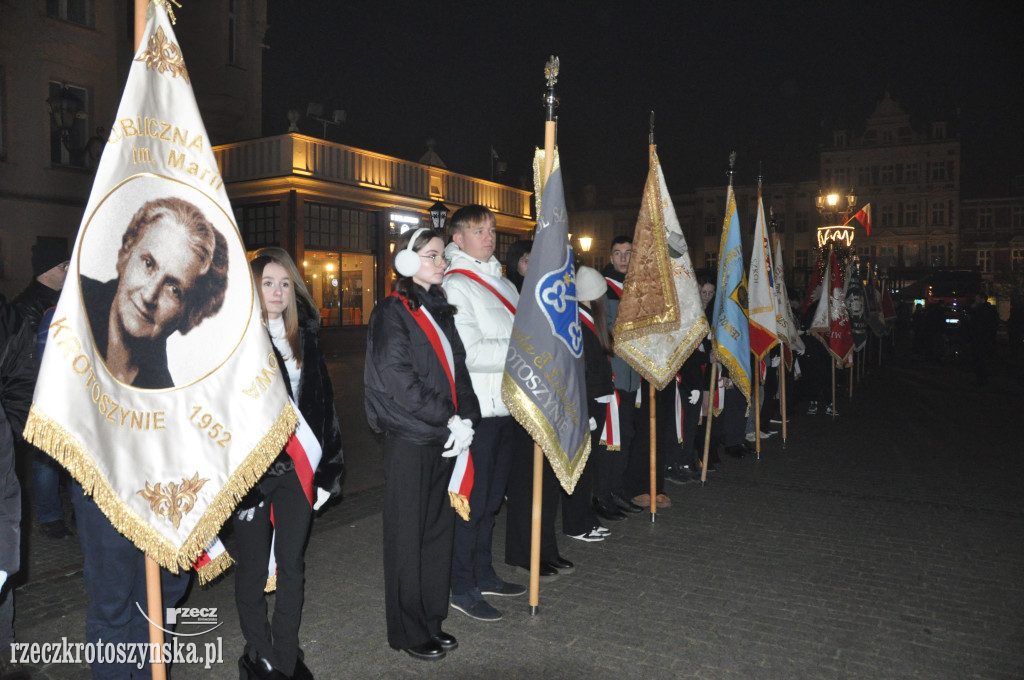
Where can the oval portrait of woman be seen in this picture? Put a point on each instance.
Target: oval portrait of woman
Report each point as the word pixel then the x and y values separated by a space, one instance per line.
pixel 164 283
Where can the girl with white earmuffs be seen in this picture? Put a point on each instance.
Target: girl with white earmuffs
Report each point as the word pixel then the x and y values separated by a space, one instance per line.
pixel 419 396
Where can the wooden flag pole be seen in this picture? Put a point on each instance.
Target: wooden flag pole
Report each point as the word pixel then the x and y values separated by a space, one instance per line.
pixel 757 408
pixel 550 104
pixel 652 404
pixel 782 394
pixel 154 596
pixel 538 471
pixel 707 430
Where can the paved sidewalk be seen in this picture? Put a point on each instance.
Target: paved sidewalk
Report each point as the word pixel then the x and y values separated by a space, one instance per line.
pixel 886 544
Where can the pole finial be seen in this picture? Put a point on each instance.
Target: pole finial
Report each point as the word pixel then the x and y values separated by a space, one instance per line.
pixel 732 166
pixel 650 134
pixel 551 76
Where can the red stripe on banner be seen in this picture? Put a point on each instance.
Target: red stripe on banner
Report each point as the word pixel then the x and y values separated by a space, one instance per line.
pixel 760 340
pixel 479 279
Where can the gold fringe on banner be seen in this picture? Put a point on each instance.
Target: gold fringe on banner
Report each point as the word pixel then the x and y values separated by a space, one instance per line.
pixel 51 437
pixel 532 418
pixel 214 568
pixel 460 503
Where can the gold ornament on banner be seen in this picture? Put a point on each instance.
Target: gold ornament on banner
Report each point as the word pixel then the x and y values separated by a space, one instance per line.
pixel 174 501
pixel 164 56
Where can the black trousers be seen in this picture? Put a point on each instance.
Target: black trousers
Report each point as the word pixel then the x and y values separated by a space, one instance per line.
pixel 519 506
pixel 638 470
pixel 610 471
pixel 578 516
pixel 276 641
pixel 419 524
pixel 492 449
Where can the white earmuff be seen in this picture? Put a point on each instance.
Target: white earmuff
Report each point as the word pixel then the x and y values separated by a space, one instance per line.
pixel 407 261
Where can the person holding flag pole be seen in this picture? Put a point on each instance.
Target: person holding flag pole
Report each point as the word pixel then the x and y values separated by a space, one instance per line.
pixel 730 332
pixel 545 355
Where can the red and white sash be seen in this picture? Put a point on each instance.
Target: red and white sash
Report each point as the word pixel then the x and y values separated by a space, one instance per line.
pixel 461 483
pixel 611 436
pixel 614 285
pixel 494 285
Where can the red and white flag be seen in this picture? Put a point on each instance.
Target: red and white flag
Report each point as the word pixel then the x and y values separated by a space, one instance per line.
pixel 864 217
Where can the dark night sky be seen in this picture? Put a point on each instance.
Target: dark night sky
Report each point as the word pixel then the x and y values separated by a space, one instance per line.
pixel 767 79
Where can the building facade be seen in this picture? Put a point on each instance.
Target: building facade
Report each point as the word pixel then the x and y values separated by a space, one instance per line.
pixel 73 57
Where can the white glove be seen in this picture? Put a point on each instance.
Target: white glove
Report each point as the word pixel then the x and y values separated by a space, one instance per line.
pixel 775 362
pixel 461 436
pixel 593 424
pixel 247 515
pixel 322 496
pixel 3 579
pixel 694 396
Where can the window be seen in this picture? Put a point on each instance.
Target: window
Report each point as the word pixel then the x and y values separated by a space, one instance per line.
pixel 839 138
pixel 984 218
pixel 260 225
pixel 711 224
pixel 864 175
pixel 937 256
pixel 840 177
pixel 938 171
pixel 711 261
pixel 69 150
pixel 503 243
pixel 803 222
pixel 911 173
pixel 73 11
pixel 887 136
pixel 1017 259
pixel 984 261
pixel 938 213
pixel 1018 211
pixel 801 258
pixel 911 214
pixel 938 130
pixel 888 173
pixel 780 223
pixel 322 225
pixel 886 215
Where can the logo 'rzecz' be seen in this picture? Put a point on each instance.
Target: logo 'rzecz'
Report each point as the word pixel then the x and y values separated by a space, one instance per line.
pixel 556 297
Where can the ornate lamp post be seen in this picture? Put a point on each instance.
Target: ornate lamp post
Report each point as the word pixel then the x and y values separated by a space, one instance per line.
pixel 833 217
pixel 439 215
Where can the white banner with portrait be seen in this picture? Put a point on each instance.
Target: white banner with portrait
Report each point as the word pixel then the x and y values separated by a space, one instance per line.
pixel 159 390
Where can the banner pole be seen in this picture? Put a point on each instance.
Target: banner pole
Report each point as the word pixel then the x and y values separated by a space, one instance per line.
pixel 757 408
pixel 154 605
pixel 782 395
pixel 538 471
pixel 652 404
pixel 707 430
pixel 140 21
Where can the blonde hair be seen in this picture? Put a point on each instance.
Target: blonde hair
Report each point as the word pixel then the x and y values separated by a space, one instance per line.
pixel 280 256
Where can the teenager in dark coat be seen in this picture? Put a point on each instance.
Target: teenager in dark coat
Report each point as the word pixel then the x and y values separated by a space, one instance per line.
pixel 272 648
pixel 420 397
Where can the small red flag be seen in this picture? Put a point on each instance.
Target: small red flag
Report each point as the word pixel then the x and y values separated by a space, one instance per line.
pixel 864 217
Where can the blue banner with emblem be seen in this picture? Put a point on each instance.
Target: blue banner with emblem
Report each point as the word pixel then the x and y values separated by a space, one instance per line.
pixel 543 385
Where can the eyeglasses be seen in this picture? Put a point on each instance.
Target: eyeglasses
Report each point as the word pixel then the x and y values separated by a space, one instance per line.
pixel 438 259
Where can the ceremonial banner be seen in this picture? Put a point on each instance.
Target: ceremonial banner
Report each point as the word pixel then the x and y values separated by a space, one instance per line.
pixel 159 390
pixel 831 323
pixel 873 305
pixel 856 308
pixel 784 321
pixel 730 337
pixel 661 319
pixel 543 385
pixel 762 310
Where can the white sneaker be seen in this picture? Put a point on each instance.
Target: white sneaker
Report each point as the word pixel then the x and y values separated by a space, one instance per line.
pixel 590 537
pixel 750 437
pixel 765 435
pixel 602 530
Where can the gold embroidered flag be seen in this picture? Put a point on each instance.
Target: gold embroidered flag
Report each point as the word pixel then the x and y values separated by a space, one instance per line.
pixel 661 318
pixel 159 390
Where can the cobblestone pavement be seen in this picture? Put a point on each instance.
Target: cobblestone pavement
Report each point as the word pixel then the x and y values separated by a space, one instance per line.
pixel 888 544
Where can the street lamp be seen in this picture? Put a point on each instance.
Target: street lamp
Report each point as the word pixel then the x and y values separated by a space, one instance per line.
pixel 834 228
pixel 439 215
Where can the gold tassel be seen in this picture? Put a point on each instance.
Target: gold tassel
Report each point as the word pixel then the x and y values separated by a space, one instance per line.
pixel 460 503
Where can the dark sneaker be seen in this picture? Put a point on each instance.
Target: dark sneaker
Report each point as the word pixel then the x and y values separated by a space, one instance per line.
pixel 473 605
pixel 503 589
pixel 680 475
